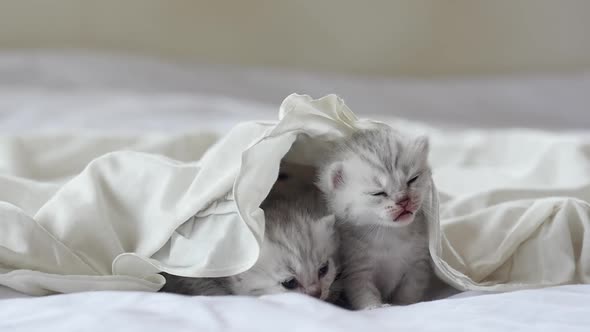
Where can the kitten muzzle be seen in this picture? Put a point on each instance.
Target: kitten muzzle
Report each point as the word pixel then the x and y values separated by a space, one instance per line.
pixel 407 208
pixel 403 216
pixel 314 292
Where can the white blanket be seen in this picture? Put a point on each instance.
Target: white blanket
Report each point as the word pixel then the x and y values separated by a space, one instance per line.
pixel 118 222
pixel 129 215
pixel 514 208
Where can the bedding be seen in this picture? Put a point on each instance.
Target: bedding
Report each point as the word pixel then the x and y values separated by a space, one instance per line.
pixel 43 97
pixel 129 214
pixel 563 308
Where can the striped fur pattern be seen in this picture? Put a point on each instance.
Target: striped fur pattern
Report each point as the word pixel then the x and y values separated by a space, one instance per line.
pixel 375 182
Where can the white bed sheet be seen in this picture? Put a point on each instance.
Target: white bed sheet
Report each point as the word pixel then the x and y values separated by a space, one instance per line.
pixel 561 309
pixel 41 92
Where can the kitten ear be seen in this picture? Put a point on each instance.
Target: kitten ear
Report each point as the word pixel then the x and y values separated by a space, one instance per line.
pixel 337 175
pixel 422 144
pixel 332 177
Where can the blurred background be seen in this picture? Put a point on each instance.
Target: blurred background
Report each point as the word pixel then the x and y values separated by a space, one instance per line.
pixel 522 62
pixel 377 37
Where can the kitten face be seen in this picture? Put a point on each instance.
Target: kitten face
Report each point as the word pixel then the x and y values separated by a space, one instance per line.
pixel 377 177
pixel 297 256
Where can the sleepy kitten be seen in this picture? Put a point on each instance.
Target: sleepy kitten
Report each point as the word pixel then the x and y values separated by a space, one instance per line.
pixel 297 255
pixel 375 182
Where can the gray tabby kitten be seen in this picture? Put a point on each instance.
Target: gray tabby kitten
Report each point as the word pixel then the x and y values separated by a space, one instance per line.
pixel 375 182
pixel 298 254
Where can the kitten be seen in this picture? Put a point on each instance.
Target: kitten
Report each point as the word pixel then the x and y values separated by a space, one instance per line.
pixel 298 254
pixel 375 182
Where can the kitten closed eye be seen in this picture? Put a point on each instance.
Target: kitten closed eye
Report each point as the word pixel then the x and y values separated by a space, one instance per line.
pixel 380 193
pixel 412 180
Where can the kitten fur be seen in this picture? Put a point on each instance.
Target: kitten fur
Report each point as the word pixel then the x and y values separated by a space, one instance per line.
pixel 300 239
pixel 375 182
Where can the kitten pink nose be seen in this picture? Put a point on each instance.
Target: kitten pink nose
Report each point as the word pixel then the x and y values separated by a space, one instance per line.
pixel 403 202
pixel 314 291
